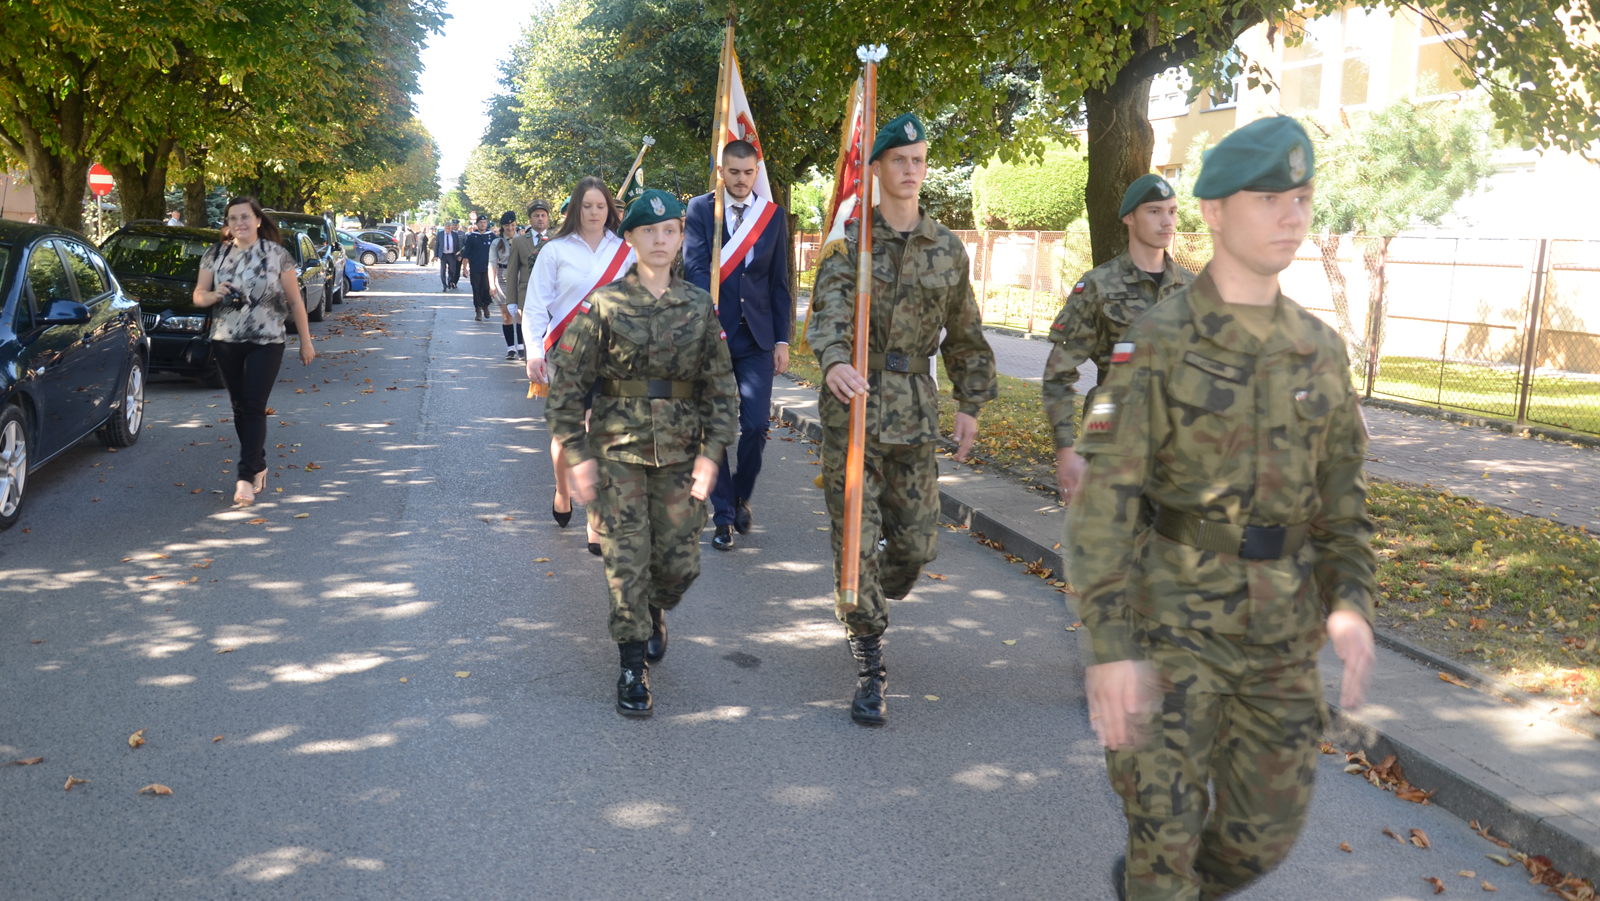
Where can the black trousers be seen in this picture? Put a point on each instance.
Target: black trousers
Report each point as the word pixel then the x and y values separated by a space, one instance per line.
pixel 481 298
pixel 248 370
pixel 449 269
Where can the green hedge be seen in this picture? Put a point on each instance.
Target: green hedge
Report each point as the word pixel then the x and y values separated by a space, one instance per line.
pixel 1047 195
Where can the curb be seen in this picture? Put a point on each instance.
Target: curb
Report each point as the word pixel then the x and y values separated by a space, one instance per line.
pixel 1530 823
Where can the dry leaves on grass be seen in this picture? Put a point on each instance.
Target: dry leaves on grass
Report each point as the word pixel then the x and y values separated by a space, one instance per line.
pixel 23 761
pixel 74 780
pixel 154 788
pixel 136 739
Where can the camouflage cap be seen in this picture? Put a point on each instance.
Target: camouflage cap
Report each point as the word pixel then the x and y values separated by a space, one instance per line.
pixel 1150 188
pixel 1271 154
pixel 654 205
pixel 903 129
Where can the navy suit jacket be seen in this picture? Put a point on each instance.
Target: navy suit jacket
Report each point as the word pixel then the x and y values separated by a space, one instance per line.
pixel 758 292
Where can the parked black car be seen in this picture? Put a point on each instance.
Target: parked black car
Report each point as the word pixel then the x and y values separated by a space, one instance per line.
pixel 73 354
pixel 158 266
pixel 324 238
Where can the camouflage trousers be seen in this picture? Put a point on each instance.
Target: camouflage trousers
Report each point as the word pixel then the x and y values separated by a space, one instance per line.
pixel 1245 719
pixel 900 502
pixel 650 539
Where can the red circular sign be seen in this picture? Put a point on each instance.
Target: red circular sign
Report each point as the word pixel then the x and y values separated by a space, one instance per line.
pixel 100 181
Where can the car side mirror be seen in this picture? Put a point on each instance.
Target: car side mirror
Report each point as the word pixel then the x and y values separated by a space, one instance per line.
pixel 66 312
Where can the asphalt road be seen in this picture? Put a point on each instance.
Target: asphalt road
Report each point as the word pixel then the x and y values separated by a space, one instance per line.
pixel 394 698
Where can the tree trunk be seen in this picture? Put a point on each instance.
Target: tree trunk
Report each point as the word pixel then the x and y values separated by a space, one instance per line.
pixel 1121 143
pixel 142 183
pixel 195 214
pixel 1329 245
pixel 59 185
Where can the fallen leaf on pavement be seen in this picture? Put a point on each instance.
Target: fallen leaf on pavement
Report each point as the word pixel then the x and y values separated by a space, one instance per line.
pixel 1345 847
pixel 302 516
pixel 153 578
pixel 225 651
pixel 136 739
pixel 217 739
pixel 256 522
pixel 196 491
pixel 203 564
pixel 930 697
pixel 312 466
pixel 937 577
pixel 1467 874
pixel 1484 831
pixel 1420 839
pixel 24 761
pixel 1438 887
pixel 177 484
pixel 462 674
pixel 37 641
pixel 1414 795
pixel 1489 888
pixel 541 559
pixel 74 780
pixel 1394 835
pixel 1500 859
pixel 154 788
pixel 1447 677
pixel 1328 749
pixel 404 679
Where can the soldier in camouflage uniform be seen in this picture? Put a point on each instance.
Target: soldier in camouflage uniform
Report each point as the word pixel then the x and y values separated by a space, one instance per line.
pixel 1218 537
pixel 668 406
pixel 1104 302
pixel 920 287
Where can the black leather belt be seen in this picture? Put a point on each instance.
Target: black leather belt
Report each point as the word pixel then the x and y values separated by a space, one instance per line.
pixel 1247 542
pixel 898 363
pixel 658 389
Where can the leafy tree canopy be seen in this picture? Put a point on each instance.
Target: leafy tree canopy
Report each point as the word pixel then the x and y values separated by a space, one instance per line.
pixel 1042 194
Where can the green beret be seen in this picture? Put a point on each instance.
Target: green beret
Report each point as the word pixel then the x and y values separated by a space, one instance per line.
pixel 564 204
pixel 1271 154
pixel 1150 188
pixel 903 129
pixel 654 205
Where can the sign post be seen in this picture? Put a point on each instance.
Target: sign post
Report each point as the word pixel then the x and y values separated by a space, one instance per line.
pixel 100 184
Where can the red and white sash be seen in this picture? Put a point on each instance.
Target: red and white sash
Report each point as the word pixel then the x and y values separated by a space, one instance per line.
pixel 739 243
pixel 606 271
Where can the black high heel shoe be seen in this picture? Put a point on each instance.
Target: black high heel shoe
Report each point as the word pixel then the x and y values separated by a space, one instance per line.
pixel 561 518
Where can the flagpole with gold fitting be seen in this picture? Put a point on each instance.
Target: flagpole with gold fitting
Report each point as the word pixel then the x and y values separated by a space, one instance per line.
pixel 856 455
pixel 648 143
pixel 718 142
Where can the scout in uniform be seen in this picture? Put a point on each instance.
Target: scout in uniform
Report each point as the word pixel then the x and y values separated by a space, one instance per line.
pixel 1219 535
pixel 667 409
pixel 920 287
pixel 1103 304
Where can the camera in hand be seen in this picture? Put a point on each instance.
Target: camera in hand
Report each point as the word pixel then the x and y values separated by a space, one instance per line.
pixel 234 299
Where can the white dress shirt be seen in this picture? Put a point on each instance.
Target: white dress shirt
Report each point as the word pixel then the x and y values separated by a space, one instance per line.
pixel 561 262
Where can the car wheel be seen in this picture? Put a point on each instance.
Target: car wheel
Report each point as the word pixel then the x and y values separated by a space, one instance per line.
pixel 390 256
pixel 335 292
pixel 347 288
pixel 127 418
pixel 316 314
pixel 13 464
pixel 369 259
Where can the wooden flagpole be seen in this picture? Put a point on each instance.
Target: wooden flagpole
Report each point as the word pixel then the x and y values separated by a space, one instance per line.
pixel 856 455
pixel 649 142
pixel 719 141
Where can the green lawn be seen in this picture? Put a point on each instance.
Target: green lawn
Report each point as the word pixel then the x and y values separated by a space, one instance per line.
pixel 1561 402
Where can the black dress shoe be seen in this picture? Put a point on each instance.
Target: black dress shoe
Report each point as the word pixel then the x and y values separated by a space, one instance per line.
pixel 561 518
pixel 723 539
pixel 741 515
pixel 594 548
pixel 656 647
pixel 868 708
pixel 1119 877
pixel 633 686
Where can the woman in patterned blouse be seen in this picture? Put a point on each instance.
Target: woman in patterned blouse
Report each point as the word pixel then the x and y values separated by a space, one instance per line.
pixel 251 280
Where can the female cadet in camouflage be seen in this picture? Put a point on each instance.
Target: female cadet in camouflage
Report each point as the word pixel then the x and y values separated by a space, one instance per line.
pixel 1219 535
pixel 920 287
pixel 1103 304
pixel 668 406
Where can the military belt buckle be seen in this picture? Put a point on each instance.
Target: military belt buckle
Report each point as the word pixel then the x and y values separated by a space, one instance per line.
pixel 1262 542
pixel 896 362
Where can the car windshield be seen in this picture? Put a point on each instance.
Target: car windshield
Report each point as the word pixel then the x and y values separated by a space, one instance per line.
pixel 151 255
pixel 314 230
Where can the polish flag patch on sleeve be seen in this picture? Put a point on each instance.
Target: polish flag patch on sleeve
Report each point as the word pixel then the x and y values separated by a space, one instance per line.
pixel 584 307
pixel 1078 288
pixel 1122 352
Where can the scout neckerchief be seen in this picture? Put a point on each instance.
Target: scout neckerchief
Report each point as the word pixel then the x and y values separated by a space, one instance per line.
pixel 607 268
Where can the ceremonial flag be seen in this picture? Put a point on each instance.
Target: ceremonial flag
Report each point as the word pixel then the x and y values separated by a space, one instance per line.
pixel 741 122
pixel 842 207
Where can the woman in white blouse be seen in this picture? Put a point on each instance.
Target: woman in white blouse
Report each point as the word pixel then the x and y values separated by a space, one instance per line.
pixel 585 254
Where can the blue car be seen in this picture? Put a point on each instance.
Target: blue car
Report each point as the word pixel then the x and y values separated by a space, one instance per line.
pixel 73 354
pixel 355 276
pixel 365 251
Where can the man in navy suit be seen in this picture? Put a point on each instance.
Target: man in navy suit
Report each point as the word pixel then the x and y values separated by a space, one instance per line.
pixel 756 310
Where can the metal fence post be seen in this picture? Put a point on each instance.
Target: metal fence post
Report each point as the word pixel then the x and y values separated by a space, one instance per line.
pixel 1033 281
pixel 1530 335
pixel 985 254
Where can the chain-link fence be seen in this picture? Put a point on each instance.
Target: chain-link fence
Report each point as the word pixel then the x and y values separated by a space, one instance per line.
pixel 1439 321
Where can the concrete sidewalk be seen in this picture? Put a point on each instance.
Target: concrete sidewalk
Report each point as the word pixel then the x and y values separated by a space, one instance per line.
pixel 1535 477
pixel 1535 782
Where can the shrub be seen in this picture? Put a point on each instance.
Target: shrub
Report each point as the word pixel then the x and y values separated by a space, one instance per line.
pixel 1046 195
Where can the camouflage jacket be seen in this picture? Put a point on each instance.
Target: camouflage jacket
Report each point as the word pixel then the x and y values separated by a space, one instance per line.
pixel 920 288
pixel 622 332
pixel 1206 419
pixel 1099 310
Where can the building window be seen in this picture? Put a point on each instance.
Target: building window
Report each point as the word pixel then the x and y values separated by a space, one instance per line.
pixel 1169 94
pixel 1331 66
pixel 1173 174
pixel 1440 45
pixel 1226 95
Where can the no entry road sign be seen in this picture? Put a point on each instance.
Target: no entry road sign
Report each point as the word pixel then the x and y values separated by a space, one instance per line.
pixel 100 181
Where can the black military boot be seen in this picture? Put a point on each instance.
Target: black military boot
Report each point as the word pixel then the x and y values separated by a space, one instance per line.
pixel 633 686
pixel 1119 877
pixel 868 707
pixel 656 647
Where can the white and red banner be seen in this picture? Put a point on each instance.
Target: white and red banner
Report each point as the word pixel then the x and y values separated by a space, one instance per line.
pixel 742 242
pixel 847 173
pixel 742 122
pixel 608 268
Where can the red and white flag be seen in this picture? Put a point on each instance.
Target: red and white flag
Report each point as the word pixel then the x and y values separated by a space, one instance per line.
pixel 742 122
pixel 847 173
